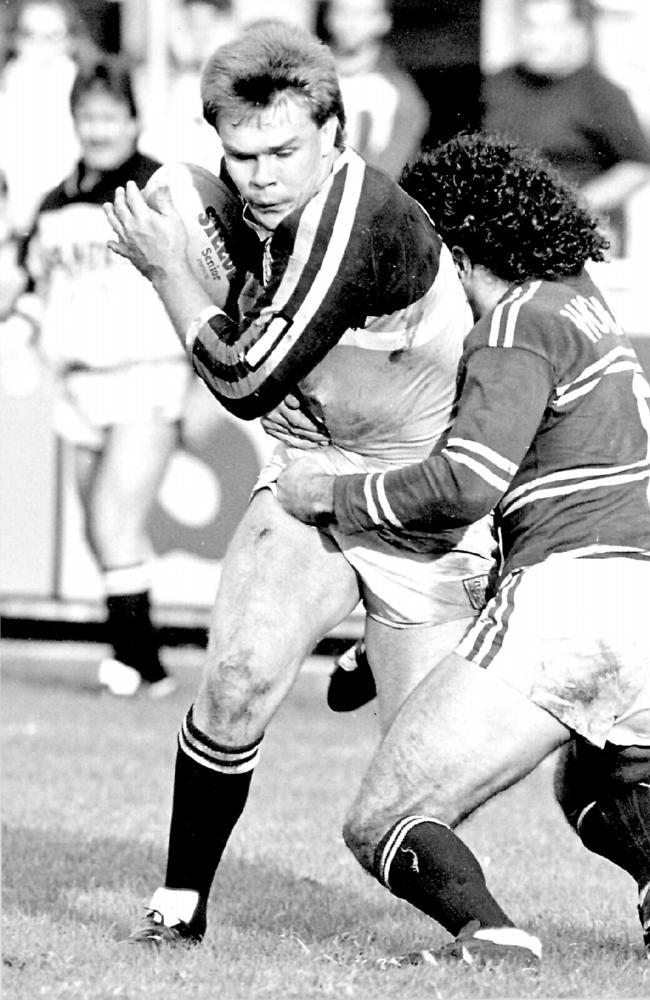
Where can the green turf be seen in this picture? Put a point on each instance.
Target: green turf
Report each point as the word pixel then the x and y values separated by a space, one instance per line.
pixel 86 793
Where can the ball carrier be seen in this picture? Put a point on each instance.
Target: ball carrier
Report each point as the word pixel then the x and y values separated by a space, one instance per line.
pixel 347 297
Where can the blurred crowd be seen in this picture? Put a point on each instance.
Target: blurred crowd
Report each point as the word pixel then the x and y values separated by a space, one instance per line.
pixel 77 120
pixel 553 96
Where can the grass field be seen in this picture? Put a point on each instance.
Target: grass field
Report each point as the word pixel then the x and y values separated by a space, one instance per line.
pixel 86 794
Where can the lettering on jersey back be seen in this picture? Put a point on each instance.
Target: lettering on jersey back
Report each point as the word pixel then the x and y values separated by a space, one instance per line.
pixel 591 317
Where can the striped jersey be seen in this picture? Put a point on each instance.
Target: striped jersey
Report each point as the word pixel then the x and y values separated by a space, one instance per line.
pixel 552 430
pixel 99 311
pixel 358 308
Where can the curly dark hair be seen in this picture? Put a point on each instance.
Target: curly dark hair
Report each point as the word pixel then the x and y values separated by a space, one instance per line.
pixel 505 207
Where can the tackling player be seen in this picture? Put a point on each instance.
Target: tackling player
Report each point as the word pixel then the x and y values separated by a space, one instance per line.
pixel 353 303
pixel 552 430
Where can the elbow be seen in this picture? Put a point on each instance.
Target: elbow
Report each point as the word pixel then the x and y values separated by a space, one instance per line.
pixel 476 506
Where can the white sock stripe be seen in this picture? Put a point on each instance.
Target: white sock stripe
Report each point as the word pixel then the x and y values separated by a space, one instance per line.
pixel 128 579
pixel 226 761
pixel 212 765
pixel 394 841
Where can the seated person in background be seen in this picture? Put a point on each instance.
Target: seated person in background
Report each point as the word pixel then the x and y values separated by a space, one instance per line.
pixel 387 116
pixel 552 431
pixel 555 100
pixel 121 376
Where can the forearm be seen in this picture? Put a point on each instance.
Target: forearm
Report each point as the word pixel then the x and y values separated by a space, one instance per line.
pixel 615 186
pixel 431 496
pixel 187 303
pixel 494 426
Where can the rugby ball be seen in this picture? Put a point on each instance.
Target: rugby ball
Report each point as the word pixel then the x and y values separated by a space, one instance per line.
pixel 212 216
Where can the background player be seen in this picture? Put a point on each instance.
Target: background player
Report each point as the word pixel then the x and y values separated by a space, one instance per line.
pixel 121 377
pixel 387 116
pixel 553 429
pixel 354 303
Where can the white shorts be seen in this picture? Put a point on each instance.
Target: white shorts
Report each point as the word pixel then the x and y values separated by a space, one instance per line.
pixel 401 588
pixel 573 635
pixel 88 401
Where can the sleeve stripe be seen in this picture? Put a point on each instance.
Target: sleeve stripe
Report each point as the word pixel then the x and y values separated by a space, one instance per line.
pixel 259 351
pixel 237 363
pixel 480 470
pixel 371 506
pixel 480 449
pixel 566 475
pixel 598 366
pixel 605 482
pixel 386 508
pixel 199 321
pixel 575 390
pixel 570 481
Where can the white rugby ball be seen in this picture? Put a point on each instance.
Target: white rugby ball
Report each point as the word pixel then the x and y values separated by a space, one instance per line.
pixel 212 217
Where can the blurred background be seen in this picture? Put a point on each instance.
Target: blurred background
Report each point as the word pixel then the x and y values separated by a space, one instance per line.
pixel 413 73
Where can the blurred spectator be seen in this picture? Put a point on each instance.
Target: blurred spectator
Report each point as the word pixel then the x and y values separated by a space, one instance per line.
pixel 121 377
pixel 47 40
pixel 11 274
pixel 387 116
pixel 4 35
pixel 19 369
pixel 555 99
pixel 197 27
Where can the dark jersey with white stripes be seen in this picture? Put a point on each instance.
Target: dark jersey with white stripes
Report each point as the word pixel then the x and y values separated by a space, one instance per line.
pixel 360 260
pixel 552 429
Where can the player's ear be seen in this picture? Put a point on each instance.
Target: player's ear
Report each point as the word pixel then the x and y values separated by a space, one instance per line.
pixel 462 262
pixel 328 135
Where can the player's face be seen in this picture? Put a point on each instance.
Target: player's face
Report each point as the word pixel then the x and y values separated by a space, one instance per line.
pixel 278 157
pixel 106 131
pixel 42 32
pixel 549 36
pixel 354 24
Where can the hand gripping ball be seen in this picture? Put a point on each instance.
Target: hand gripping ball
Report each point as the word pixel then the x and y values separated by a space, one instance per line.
pixel 212 215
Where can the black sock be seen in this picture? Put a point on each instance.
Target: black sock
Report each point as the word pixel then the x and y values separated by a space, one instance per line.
pixel 617 827
pixel 210 790
pixel 424 862
pixel 132 634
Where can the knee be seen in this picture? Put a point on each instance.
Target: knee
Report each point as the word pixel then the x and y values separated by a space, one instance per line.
pixel 362 833
pixel 234 688
pixel 358 841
